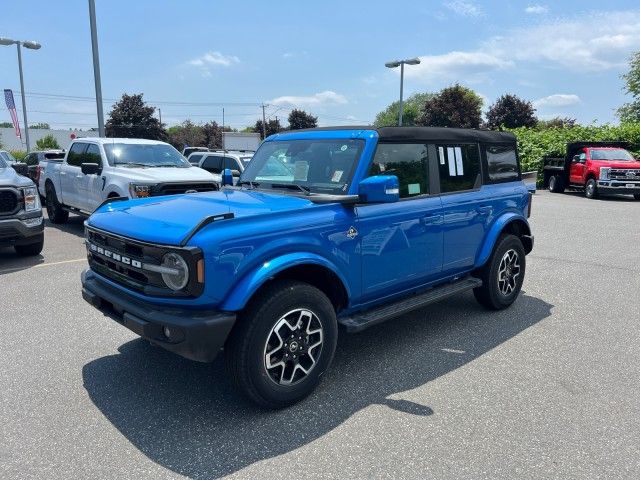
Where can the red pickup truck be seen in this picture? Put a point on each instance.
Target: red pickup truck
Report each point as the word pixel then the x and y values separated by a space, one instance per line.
pixel 595 168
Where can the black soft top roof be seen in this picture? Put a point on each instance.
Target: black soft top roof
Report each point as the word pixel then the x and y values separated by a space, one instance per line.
pixel 427 134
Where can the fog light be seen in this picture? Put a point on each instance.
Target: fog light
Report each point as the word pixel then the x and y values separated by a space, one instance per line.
pixel 167 332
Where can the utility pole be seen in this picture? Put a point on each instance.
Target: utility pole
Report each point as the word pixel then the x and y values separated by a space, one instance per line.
pixel 24 103
pixel 264 123
pixel 96 66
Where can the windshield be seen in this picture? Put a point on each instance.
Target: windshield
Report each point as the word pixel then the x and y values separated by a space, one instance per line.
pixel 320 166
pixel 144 155
pixel 611 154
pixel 7 157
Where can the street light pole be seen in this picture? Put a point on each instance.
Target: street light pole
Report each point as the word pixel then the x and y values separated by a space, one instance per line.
pixel 33 46
pixel 96 66
pixel 401 64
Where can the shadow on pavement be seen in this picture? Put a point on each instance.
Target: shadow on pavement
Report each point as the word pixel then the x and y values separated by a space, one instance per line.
pixel 11 262
pixel 74 226
pixel 185 416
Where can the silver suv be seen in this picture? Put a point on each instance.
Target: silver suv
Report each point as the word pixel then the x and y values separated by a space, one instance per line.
pixel 215 162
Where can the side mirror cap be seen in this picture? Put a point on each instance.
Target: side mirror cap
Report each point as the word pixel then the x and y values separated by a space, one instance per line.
pixel 90 168
pixel 379 189
pixel 21 168
pixel 227 177
pixel 235 173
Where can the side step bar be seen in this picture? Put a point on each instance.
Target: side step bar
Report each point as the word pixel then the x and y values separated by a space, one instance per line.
pixel 363 320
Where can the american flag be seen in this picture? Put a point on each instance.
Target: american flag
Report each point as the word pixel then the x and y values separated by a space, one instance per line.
pixel 11 105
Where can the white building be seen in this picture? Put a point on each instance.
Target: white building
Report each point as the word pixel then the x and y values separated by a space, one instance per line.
pixel 10 142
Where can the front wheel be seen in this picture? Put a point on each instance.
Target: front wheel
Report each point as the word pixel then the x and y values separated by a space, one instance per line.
pixel 636 196
pixel 591 189
pixel 31 249
pixel 282 344
pixel 503 275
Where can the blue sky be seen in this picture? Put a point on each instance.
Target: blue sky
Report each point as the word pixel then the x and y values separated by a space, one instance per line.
pixel 325 57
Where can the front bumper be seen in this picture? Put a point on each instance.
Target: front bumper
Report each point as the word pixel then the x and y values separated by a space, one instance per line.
pixel 13 231
pixel 618 186
pixel 194 334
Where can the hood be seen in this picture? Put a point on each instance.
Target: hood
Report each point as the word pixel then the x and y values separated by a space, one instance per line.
pixel 165 174
pixel 169 219
pixel 9 178
pixel 615 164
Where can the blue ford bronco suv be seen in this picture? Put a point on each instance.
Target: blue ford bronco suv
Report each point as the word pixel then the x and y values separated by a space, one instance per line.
pixel 327 229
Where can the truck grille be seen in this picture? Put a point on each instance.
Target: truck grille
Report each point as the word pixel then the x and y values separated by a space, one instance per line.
pixel 9 202
pixel 176 188
pixel 629 174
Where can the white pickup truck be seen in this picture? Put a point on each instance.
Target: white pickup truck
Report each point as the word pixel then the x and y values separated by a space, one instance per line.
pixel 95 169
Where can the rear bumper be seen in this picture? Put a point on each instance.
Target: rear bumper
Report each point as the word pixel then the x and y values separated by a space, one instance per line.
pixel 14 231
pixel 194 334
pixel 618 186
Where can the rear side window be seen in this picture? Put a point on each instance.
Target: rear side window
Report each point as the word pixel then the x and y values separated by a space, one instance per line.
pixel 231 164
pixel 459 167
pixel 407 161
pixel 93 154
pixel 76 154
pixel 194 158
pixel 502 163
pixel 212 164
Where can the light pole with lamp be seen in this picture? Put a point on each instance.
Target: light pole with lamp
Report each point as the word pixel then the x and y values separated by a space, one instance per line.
pixel 401 64
pixel 33 46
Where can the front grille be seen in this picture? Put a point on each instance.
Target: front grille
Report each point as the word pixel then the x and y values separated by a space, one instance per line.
pixel 630 174
pixel 9 202
pixel 122 260
pixel 176 188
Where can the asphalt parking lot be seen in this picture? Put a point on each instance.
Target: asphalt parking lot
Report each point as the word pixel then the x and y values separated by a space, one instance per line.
pixel 549 388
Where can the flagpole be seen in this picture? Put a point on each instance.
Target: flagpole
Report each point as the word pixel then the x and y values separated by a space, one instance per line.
pixel 24 103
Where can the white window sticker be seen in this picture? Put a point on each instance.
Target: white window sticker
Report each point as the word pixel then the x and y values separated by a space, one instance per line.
pixel 414 188
pixel 441 155
pixel 451 161
pixel 459 166
pixel 337 175
pixel 301 171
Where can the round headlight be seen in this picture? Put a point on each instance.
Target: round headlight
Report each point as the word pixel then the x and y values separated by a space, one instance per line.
pixel 179 277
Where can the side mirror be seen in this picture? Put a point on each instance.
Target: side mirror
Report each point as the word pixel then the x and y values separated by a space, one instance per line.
pixel 576 159
pixel 379 189
pixel 227 177
pixel 21 168
pixel 90 168
pixel 235 173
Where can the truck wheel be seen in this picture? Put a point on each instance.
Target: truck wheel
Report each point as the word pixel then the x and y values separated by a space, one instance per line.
pixel 636 196
pixel 30 249
pixel 555 184
pixel 503 274
pixel 282 344
pixel 591 188
pixel 54 210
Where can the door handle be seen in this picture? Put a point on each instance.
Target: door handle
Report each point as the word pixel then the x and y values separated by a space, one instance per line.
pixel 484 210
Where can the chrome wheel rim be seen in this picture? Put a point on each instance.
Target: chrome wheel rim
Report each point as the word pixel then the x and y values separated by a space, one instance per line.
pixel 590 188
pixel 293 347
pixel 508 272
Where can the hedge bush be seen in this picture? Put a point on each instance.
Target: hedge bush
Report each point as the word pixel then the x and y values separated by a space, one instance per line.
pixel 18 154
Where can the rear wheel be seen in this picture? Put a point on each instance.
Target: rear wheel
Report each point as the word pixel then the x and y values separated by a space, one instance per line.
pixel 282 344
pixel 555 184
pixel 503 275
pixel 591 188
pixel 54 210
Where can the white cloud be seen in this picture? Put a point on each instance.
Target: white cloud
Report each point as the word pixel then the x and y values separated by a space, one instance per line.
pixel 287 55
pixel 317 99
pixel 557 100
pixel 537 9
pixel 214 59
pixel 589 42
pixel 464 8
pixel 468 66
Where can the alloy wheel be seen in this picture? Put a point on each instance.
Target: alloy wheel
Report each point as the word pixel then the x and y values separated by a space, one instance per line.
pixel 508 272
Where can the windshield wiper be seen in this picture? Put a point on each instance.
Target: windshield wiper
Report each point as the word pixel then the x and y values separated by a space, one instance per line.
pixel 292 186
pixel 251 183
pixel 132 164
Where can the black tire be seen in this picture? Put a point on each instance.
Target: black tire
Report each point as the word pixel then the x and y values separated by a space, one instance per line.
pixel 251 339
pixel 54 210
pixel 591 189
pixel 492 294
pixel 31 249
pixel 555 184
pixel 636 196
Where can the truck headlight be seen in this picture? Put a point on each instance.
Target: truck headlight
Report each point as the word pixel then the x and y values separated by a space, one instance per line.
pixel 175 271
pixel 31 199
pixel 139 190
pixel 604 173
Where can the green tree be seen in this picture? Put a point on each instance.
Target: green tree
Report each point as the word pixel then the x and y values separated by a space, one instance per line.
pixel 511 112
pixel 299 119
pixel 6 125
pixel 455 106
pixel 48 142
pixel 557 122
pixel 411 108
pixel 40 126
pixel 272 126
pixel 187 133
pixel 630 112
pixel 131 117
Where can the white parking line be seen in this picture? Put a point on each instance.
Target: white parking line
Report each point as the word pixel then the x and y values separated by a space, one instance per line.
pixel 40 265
